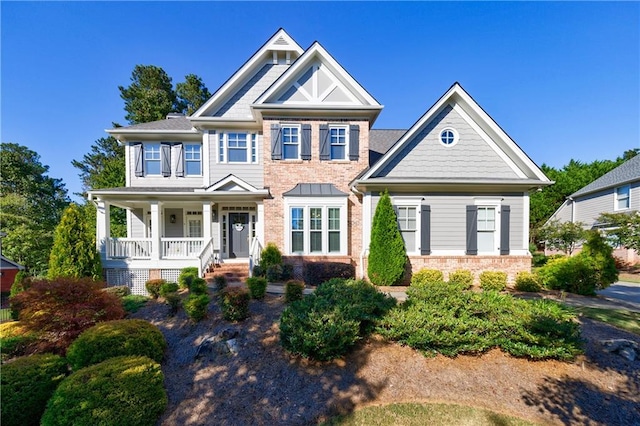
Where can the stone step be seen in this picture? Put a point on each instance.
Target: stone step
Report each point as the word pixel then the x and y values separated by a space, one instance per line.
pixel 237 272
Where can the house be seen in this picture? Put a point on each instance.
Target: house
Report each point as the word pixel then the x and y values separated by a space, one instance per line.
pixel 614 192
pixel 284 152
pixel 8 270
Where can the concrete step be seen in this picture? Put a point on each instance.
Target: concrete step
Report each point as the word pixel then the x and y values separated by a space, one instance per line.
pixel 237 272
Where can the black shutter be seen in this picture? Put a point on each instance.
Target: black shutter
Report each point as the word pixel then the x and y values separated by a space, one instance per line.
pixel 472 230
pixel 305 152
pixel 505 227
pixel 165 159
pixel 354 142
pixel 137 155
pixel 276 142
pixel 425 230
pixel 324 142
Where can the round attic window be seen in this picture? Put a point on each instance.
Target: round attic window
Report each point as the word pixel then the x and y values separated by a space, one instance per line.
pixel 449 137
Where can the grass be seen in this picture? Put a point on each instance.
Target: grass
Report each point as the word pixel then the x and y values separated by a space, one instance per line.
pixel 411 414
pixel 5 315
pixel 630 278
pixel 626 320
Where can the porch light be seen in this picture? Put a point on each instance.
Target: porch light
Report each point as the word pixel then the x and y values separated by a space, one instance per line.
pixel 172 218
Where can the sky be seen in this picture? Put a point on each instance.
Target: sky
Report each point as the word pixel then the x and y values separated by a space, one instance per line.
pixel 561 78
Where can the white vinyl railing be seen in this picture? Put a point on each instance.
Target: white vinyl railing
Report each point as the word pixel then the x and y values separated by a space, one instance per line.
pixel 206 256
pixel 181 248
pixel 129 248
pixel 255 254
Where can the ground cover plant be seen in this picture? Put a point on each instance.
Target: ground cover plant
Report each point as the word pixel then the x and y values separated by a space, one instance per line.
pixel 134 302
pixel 441 318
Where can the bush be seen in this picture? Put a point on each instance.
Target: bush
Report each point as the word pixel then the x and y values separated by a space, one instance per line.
pixel 234 303
pixel 293 290
pixel 427 276
pixel 257 287
pixel 526 281
pixel 120 391
pixel 168 288
pixel 601 256
pixel 573 274
pixel 220 281
pixel 173 300
pixel 198 286
pixel 116 338
pixel 26 385
pixel 21 282
pixel 258 271
pixel 134 302
pixel 186 276
pixel 538 259
pixel 316 273
pixel 387 255
pixel 15 339
pixel 287 272
pixel 274 273
pixel 61 309
pixel 153 287
pixel 270 256
pixel 493 280
pixel 435 290
pixel 118 290
pixel 326 324
pixel 196 306
pixel 462 277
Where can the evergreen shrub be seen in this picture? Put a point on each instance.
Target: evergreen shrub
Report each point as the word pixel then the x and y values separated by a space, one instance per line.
pixel 257 287
pixel 220 281
pixel 258 271
pixel 168 288
pixel 198 286
pixel 173 300
pixel 271 255
pixel 526 281
pixel 153 287
pixel 575 274
pixel 196 306
pixel 118 290
pixel 463 277
pixel 234 302
pixel 293 290
pixel 287 272
pixel 493 280
pixel 427 276
pixel 186 276
pixel 315 273
pixel 601 255
pixel 21 282
pixel 274 273
pixel 15 338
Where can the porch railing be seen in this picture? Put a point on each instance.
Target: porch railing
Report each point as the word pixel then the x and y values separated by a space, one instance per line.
pixel 128 248
pixel 206 256
pixel 255 254
pixel 181 248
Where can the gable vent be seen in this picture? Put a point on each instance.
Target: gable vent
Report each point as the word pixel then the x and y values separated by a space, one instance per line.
pixel 281 41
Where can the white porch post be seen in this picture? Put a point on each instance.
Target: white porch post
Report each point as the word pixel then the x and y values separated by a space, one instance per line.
pixel 206 221
pixel 103 230
pixel 260 222
pixel 156 237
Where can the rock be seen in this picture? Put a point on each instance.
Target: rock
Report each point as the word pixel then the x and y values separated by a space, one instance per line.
pixel 232 345
pixel 623 347
pixel 228 333
pixel 628 353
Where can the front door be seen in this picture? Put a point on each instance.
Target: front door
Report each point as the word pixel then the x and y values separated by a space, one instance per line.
pixel 238 235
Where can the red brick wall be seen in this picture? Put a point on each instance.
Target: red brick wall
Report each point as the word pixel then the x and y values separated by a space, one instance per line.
pixel 7 276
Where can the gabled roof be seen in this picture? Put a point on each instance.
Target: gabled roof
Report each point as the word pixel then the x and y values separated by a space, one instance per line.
pixel 627 172
pixel 232 181
pixel 504 146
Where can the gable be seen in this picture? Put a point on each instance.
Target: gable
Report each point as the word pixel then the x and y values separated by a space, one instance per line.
pixel 317 84
pixel 424 156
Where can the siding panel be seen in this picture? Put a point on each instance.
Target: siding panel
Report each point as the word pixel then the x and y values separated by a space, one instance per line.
pixel 250 173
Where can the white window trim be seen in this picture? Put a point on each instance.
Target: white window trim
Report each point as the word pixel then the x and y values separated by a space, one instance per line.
pixel 307 203
pixel 400 201
pixel 145 149
pixel 185 145
pixel 346 141
pixel 616 198
pixel 299 127
pixel 496 204
pixel 456 136
pixel 252 138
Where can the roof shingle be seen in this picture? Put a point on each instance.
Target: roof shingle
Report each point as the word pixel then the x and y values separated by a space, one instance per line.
pixel 624 173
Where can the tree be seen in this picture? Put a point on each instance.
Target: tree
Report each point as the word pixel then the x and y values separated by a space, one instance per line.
pixel 192 94
pixel 387 254
pixel 562 236
pixel 150 96
pixel 623 227
pixel 74 251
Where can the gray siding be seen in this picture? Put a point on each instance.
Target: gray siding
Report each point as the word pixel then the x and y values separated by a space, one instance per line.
pixel 634 202
pixel 589 208
pixel 160 181
pixel 250 173
pixel 137 226
pixel 173 230
pixel 563 214
pixel 424 156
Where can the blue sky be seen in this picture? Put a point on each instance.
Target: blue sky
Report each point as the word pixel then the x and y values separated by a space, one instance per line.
pixel 563 79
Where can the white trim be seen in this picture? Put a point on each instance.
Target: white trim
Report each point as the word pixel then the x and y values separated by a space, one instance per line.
pixel 366 220
pixel 225 147
pixel 206 158
pixel 232 179
pixel 129 163
pixel 346 140
pixel 291 126
pixel 526 205
pixel 413 202
pixel 184 153
pixel 456 137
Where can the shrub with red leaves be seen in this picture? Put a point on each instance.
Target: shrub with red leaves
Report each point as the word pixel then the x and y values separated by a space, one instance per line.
pixel 62 308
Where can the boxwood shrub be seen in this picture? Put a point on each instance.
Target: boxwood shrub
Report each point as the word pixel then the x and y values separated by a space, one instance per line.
pixel 257 287
pixel 15 338
pixel 168 288
pixel 122 391
pixel 198 286
pixel 196 306
pixel 293 290
pixel 315 273
pixel 26 385
pixel 153 287
pixel 234 302
pixel 493 280
pixel 427 276
pixel 526 281
pixel 116 338
pixel 463 277
pixel 186 276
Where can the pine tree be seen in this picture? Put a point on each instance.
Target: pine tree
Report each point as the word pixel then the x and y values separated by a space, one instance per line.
pixel 74 252
pixel 387 254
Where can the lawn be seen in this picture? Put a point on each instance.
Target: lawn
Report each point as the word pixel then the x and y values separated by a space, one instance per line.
pixel 630 278
pixel 626 320
pixel 422 414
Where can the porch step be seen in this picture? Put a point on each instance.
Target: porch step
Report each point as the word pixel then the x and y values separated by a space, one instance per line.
pixel 234 272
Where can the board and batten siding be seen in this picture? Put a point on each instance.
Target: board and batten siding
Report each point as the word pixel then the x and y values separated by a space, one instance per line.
pixel 160 181
pixel 426 157
pixel 250 173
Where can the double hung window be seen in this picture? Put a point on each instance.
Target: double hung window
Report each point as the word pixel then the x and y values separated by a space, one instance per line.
pixel 237 147
pixel 193 159
pixel 622 197
pixel 338 142
pixel 486 229
pixel 152 159
pixel 316 229
pixel 407 225
pixel 290 142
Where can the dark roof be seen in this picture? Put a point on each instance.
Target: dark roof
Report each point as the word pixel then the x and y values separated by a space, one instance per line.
pixel 150 190
pixel 9 264
pixel 624 173
pixel 177 123
pixel 380 141
pixel 315 190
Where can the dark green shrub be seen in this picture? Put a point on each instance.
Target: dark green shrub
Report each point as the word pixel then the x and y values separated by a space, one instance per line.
pixel 26 385
pixel 220 282
pixel 116 338
pixel 573 274
pixel 601 255
pixel 293 290
pixel 134 302
pixel 257 287
pixel 493 280
pixel 196 306
pixel 173 300
pixel 118 290
pixel 198 286
pixel 526 281
pixel 153 287
pixel 427 276
pixel 124 391
pixel 258 271
pixel 463 277
pixel 387 255
pixel 287 272
pixel 427 290
pixel 168 288
pixel 538 259
pixel 234 302
pixel 21 282
pixel 186 276
pixel 271 255
pixel 274 273
pixel 315 273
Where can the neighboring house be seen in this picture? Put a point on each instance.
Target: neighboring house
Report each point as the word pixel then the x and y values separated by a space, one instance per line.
pixel 284 152
pixel 8 270
pixel 615 192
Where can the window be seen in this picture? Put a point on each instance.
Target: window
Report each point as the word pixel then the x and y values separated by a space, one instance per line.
pixel 338 141
pixel 407 225
pixel 237 148
pixel 152 159
pixel 291 142
pixel 334 230
pixel 486 229
pixel 448 137
pixel 297 230
pixel 316 229
pixel 192 159
pixel 622 197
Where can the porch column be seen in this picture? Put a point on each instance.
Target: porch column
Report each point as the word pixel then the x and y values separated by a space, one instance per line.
pixel 156 229
pixel 103 230
pixel 260 222
pixel 206 221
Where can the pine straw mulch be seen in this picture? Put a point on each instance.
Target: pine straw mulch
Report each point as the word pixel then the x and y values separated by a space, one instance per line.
pixel 264 385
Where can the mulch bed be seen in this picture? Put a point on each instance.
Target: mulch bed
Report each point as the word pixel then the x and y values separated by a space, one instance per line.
pixel 264 385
